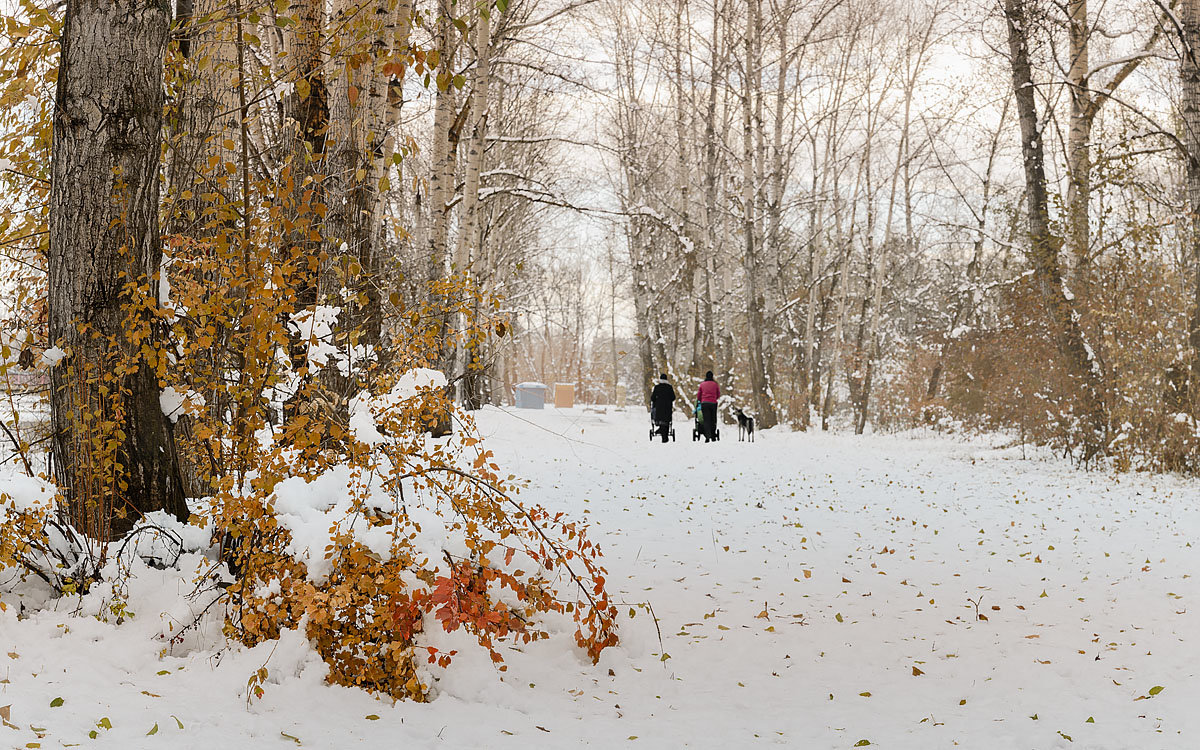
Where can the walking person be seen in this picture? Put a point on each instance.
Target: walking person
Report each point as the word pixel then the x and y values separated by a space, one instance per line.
pixel 708 394
pixel 662 403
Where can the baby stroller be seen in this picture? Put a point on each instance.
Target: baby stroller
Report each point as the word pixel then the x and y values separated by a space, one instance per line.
pixel 657 425
pixel 698 427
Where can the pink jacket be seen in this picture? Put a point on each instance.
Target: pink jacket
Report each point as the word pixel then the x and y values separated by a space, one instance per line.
pixel 709 392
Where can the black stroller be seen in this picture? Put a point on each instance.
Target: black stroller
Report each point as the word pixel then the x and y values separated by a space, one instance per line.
pixel 698 427
pixel 657 426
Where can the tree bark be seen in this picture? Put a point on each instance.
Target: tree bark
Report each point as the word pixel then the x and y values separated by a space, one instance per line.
pixel 1079 152
pixel 1189 17
pixel 1077 356
pixel 113 451
pixel 764 405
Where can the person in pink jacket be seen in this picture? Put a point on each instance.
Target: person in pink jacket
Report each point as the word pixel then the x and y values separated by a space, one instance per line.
pixel 708 394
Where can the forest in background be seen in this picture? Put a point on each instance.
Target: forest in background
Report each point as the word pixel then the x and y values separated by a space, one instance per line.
pixel 961 214
pixel 969 215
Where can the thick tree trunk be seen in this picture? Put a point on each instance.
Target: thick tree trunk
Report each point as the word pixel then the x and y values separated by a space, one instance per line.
pixel 114 454
pixel 1077 356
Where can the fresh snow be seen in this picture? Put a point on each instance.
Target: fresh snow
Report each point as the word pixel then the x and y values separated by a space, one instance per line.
pixel 365 410
pixel 53 356
pixel 173 402
pixel 812 590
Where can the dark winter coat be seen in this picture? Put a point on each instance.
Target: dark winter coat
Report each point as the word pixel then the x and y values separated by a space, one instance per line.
pixel 662 401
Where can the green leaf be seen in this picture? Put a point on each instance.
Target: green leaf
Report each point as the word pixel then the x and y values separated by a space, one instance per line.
pixel 56 703
pixel 372 717
pixel 1090 720
pixel 501 5
pixel 838 617
pixel 290 737
pixel 1156 689
pixel 153 729
pixel 104 723
pixel 93 734
pixel 177 721
pixel 164 671
pixel 862 743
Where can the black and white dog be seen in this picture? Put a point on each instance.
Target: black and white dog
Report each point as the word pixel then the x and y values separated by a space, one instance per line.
pixel 745 425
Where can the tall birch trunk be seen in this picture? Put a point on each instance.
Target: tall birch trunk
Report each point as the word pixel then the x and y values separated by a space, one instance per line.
pixel 467 252
pixel 1079 151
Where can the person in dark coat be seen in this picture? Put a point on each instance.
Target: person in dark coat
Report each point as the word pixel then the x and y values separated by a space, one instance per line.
pixel 708 394
pixel 662 403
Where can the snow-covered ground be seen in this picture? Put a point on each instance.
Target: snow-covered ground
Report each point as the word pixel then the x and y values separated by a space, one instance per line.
pixel 811 591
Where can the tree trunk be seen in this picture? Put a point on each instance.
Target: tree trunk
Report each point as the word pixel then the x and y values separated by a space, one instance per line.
pixel 113 451
pixel 763 403
pixel 1043 254
pixel 1079 152
pixel 202 204
pixel 1189 17
pixel 469 361
pixel 358 155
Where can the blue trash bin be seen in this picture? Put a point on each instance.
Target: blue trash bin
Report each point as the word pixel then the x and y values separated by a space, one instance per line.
pixel 530 395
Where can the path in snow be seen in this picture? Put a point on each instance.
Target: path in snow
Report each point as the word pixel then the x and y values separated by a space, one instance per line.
pixel 812 591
